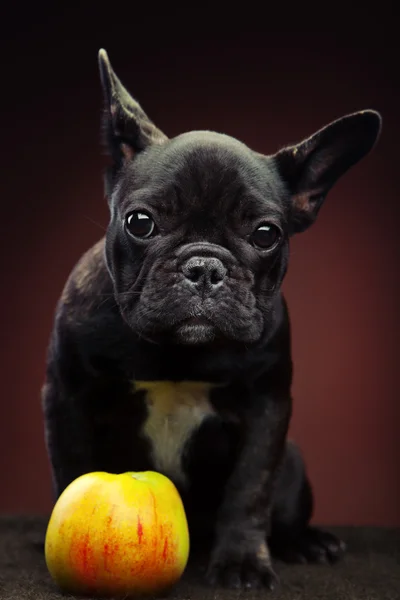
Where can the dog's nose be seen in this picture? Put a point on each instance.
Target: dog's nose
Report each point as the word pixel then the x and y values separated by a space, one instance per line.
pixel 203 272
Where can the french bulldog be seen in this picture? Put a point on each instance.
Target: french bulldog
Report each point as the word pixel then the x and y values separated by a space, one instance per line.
pixel 171 344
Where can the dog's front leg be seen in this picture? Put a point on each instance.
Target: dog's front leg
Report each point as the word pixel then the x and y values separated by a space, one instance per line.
pixel 241 556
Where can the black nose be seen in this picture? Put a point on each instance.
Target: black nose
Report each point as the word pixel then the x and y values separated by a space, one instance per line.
pixel 203 272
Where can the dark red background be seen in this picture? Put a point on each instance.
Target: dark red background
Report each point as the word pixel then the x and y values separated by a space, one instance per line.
pixel 268 84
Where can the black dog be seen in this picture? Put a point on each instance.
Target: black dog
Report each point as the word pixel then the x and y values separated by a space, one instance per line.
pixel 171 345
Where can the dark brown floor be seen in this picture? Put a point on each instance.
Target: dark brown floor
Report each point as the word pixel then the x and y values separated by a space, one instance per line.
pixel 370 571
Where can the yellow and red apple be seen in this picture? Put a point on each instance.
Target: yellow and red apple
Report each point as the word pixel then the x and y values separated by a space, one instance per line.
pixel 123 534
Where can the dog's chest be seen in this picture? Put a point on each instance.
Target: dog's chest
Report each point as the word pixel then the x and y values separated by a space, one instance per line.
pixel 175 411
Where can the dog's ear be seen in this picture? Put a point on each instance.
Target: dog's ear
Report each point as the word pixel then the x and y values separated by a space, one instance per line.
pixel 311 167
pixel 128 130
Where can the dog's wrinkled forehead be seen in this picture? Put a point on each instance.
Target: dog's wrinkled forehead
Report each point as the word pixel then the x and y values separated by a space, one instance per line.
pixel 202 170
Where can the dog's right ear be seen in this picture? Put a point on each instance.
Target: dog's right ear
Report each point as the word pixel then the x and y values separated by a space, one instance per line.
pixel 128 130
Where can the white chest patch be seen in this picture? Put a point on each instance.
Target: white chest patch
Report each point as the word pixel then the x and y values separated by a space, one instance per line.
pixel 175 411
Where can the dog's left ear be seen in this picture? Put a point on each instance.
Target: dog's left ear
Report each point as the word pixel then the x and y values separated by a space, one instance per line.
pixel 128 129
pixel 312 167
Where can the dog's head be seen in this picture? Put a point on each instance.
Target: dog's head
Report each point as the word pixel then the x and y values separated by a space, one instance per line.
pixel 197 244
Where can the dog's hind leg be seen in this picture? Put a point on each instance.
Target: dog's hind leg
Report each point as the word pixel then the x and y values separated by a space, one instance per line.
pixel 292 538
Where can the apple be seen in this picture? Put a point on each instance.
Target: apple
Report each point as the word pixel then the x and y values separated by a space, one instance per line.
pixel 113 535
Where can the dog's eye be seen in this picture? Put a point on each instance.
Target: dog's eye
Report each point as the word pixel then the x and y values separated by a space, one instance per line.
pixel 266 236
pixel 140 224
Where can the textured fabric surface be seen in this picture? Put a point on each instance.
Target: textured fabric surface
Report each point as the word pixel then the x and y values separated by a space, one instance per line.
pixel 370 571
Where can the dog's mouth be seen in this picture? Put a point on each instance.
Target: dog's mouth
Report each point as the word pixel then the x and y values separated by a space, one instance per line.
pixel 196 321
pixel 196 330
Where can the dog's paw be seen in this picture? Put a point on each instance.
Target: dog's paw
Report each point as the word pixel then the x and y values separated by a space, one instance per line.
pixel 242 566
pixel 312 546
